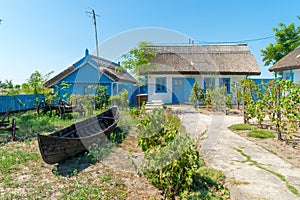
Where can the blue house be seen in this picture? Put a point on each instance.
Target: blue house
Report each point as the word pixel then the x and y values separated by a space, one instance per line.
pixel 91 71
pixel 288 67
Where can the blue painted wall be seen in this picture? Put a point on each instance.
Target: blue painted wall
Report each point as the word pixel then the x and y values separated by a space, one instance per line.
pixel 105 79
pixel 87 75
pixel 181 92
pixel 18 102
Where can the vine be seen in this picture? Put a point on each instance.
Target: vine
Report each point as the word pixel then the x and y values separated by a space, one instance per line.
pixel 171 158
pixel 279 100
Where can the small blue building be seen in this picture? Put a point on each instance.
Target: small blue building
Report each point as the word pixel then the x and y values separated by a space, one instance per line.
pixel 91 71
pixel 288 67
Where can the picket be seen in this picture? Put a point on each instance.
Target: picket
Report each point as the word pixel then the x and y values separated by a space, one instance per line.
pixel 18 102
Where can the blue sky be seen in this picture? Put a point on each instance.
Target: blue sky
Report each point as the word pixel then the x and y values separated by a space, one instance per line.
pixel 52 35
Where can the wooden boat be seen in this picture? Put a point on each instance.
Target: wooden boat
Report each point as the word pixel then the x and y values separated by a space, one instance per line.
pixel 78 137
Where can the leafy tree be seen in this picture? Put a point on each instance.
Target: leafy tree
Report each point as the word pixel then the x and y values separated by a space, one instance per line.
pixel 8 84
pixel 137 60
pixel 2 84
pixel 287 39
pixel 10 88
pixel 35 83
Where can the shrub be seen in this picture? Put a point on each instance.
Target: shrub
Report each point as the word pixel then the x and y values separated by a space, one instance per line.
pixel 172 161
pixel 121 100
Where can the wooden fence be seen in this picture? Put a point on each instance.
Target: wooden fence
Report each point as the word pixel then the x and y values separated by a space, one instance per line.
pixel 18 102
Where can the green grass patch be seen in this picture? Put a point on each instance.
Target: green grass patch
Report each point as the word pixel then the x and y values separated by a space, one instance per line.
pixel 241 127
pixel 238 182
pixel 259 133
pixel 293 189
pixel 10 158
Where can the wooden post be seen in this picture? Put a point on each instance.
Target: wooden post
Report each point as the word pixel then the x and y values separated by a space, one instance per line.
pixel 13 129
pixel 278 118
pixel 244 105
pixel 237 95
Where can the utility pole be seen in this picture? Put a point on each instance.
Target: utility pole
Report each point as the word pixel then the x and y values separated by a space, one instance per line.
pixel 96 36
pixel 94 15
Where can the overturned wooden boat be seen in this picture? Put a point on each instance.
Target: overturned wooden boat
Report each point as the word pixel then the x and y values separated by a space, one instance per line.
pixel 78 137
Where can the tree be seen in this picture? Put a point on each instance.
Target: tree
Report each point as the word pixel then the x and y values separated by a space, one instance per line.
pixel 35 83
pixel 8 84
pixel 137 61
pixel 287 39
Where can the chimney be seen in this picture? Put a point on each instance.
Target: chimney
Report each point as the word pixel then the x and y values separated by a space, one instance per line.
pixel 86 52
pixel 189 40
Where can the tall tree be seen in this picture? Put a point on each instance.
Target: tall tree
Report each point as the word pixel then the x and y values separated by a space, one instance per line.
pixel 287 39
pixel 137 61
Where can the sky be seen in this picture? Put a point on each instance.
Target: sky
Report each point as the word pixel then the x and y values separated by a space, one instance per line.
pixel 50 36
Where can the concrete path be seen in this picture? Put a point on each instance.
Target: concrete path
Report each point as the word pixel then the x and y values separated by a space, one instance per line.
pixel 253 172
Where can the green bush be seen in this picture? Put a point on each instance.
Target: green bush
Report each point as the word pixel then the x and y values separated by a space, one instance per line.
pixel 121 100
pixel 171 158
pixel 171 168
pixel 197 94
pixel 101 97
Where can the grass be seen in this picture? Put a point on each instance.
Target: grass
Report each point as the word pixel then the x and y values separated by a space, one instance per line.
pixel 208 184
pixel 24 175
pixel 259 133
pixel 30 124
pixel 241 127
pixel 238 182
pixel 11 157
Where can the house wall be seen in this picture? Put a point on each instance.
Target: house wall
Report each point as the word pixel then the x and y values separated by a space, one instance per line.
pixel 296 76
pixel 86 78
pixel 286 75
pixel 167 96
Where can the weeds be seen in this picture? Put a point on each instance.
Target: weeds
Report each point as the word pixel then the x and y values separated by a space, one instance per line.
pixel 280 176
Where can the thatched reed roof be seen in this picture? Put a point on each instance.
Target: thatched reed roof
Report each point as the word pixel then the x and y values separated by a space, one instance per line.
pixel 109 68
pixel 105 66
pixel 205 59
pixel 290 61
pixel 59 76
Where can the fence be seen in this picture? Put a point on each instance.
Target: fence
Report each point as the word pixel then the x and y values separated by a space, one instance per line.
pixel 18 102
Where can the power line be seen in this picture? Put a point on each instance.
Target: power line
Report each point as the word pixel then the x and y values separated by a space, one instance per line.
pixel 235 42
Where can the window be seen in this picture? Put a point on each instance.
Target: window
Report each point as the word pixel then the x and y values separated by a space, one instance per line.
pixel 161 85
pixel 225 82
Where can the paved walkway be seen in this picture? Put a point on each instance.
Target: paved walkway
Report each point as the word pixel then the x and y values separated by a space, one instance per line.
pixel 255 178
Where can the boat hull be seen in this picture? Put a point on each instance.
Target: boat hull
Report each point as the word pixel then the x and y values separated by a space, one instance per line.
pixel 78 137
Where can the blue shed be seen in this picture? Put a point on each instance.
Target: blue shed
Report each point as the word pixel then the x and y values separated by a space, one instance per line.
pixel 91 71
